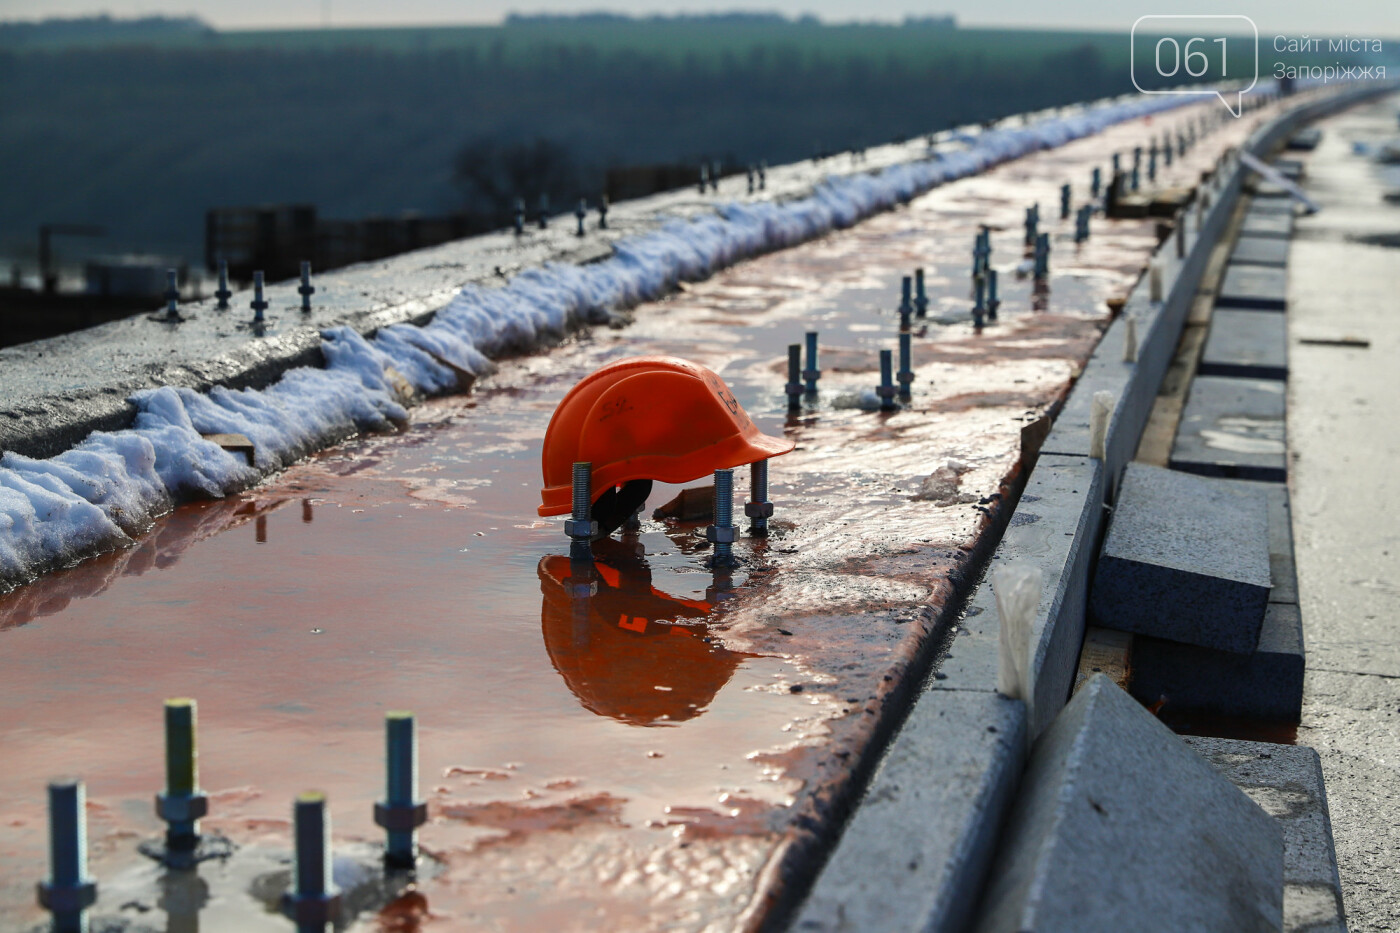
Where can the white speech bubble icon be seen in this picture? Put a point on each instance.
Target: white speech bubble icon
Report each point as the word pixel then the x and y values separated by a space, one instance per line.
pixel 1237 94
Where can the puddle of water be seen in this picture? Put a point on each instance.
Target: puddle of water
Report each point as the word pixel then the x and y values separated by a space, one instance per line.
pixel 633 760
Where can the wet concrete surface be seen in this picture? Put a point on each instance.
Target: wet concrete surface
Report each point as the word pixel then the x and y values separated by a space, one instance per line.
pixel 1344 444
pixel 651 763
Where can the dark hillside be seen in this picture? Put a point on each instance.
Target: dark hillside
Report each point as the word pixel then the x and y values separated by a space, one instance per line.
pixel 144 137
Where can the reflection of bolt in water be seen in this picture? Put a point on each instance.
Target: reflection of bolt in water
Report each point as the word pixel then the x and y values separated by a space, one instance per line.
pixel 183 895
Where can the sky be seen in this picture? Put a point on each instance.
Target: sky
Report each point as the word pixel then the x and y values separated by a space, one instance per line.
pixel 1369 18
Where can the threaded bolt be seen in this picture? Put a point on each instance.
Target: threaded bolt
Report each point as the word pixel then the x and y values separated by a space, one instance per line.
pixel 1152 163
pixel 1095 182
pixel 981 252
pixel 314 900
pixel 183 804
pixel 906 302
pixel 704 177
pixel 1042 256
pixel 748 175
pixel 993 302
pixel 580 527
pixel 223 294
pixel 1117 167
pixel 306 289
pixel 603 212
pixel 519 216
pixel 906 370
pixel 812 373
pixel 763 176
pixel 886 389
pixel 68 892
pixel 181 761
pixel 1064 201
pixel 401 812
pixel 758 508
pixel 544 211
pixel 172 294
pixel 581 214
pixel 794 387
pixel 1032 222
pixel 721 533
pixel 714 176
pixel 582 476
pixel 920 294
pixel 258 304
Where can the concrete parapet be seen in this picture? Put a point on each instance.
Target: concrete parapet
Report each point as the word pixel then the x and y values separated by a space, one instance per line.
pixel 1054 528
pixel 955 763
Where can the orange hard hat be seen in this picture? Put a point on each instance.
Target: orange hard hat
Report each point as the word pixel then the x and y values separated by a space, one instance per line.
pixel 648 417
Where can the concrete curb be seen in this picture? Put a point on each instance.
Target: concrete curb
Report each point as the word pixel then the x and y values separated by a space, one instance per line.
pixel 1286 780
pixel 1063 509
pixel 1154 577
pixel 1121 826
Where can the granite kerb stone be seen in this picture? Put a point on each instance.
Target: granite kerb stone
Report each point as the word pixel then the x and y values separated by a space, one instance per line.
pixel 1118 825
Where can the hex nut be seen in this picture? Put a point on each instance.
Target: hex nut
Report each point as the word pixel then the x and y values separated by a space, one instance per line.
pixel 67 899
pixel 181 808
pixel 311 910
pixel 577 529
pixel 400 817
pixel 758 509
pixel 717 534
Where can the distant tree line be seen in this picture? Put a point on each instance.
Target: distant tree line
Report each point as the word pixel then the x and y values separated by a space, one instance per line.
pixel 104 28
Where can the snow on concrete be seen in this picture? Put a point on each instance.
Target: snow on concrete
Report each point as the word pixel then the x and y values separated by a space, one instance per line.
pixel 99 494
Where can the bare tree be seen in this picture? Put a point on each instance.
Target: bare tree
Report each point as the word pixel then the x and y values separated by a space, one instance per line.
pixel 492 174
